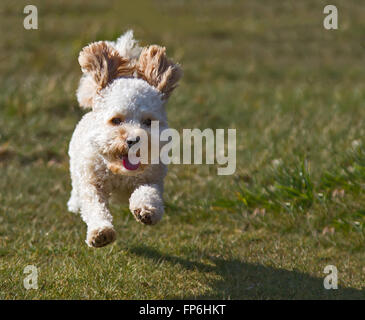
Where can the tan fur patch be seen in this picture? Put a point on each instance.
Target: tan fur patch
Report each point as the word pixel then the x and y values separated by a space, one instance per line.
pixel 115 167
pixel 154 67
pixel 104 63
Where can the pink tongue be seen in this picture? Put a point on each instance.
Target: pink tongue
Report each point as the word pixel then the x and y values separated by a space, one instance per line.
pixel 128 165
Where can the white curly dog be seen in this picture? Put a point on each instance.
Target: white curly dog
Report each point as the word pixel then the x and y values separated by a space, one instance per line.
pixel 126 87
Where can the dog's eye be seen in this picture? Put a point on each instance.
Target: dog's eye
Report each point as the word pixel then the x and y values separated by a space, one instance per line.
pixel 116 121
pixel 147 122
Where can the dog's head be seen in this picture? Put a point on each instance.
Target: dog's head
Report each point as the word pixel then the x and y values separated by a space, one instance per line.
pixel 127 90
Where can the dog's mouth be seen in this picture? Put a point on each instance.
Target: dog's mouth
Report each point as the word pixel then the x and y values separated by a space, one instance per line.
pixel 123 163
pixel 127 164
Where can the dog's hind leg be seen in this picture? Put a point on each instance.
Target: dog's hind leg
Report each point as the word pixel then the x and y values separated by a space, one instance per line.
pixel 95 212
pixel 73 203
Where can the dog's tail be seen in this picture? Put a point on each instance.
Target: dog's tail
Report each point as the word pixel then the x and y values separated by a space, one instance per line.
pixel 127 46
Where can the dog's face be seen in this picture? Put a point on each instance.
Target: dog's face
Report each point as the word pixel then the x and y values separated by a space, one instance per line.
pixel 124 112
pixel 126 94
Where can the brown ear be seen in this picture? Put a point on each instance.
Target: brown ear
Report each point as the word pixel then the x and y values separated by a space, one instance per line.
pixel 104 64
pixel 159 71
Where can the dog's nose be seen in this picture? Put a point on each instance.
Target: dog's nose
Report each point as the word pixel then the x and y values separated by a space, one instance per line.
pixel 132 141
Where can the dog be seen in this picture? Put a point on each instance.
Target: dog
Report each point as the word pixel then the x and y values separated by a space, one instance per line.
pixel 126 87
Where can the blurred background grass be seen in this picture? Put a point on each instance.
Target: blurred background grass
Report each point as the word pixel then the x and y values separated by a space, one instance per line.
pixel 295 93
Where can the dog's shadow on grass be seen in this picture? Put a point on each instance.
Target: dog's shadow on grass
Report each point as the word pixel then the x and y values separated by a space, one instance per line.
pixel 240 280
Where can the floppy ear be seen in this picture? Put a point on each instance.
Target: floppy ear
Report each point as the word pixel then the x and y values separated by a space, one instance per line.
pixel 154 67
pixel 101 64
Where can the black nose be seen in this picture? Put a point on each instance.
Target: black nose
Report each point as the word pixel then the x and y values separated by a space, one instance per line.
pixel 132 141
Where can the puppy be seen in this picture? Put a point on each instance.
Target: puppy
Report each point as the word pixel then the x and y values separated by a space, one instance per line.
pixel 127 88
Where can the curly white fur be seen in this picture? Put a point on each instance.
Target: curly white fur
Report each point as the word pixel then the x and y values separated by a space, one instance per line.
pixel 98 146
pixel 127 46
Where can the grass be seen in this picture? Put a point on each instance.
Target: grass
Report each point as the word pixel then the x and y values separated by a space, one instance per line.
pixel 295 93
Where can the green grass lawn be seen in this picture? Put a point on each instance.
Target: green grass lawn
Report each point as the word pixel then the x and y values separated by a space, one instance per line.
pixel 294 91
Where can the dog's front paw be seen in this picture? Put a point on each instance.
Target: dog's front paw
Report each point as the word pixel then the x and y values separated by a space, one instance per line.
pixel 147 215
pixel 100 237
